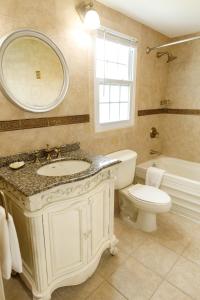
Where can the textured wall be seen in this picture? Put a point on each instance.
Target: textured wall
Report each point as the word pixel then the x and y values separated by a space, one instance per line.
pixel 59 20
pixel 181 134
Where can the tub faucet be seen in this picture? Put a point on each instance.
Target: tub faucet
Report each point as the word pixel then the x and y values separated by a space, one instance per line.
pixel 153 152
pixel 154 133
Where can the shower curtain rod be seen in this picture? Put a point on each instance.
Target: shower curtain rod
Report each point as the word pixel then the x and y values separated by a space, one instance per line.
pixel 148 50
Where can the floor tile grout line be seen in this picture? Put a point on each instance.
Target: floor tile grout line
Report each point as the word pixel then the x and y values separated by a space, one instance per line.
pixel 96 288
pixel 160 243
pixel 71 286
pixel 128 255
pixel 179 289
pixel 157 288
pixel 190 260
pixel 116 289
pixel 106 279
pixel 133 250
pixel 103 282
pixel 143 266
pixel 153 271
pixel 146 268
pixel 162 276
pixel 156 240
pixel 166 278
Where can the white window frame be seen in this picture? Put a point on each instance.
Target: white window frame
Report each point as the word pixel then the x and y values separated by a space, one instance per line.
pixel 97 81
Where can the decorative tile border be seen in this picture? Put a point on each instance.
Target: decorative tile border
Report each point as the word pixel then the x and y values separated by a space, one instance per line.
pixel 177 111
pixel 147 112
pixel 42 122
pixel 182 111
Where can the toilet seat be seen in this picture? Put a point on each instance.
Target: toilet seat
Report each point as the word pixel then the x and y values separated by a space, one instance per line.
pixel 149 194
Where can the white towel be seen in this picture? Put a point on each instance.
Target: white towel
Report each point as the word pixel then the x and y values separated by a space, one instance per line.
pixel 10 257
pixel 154 176
pixel 14 246
pixel 5 253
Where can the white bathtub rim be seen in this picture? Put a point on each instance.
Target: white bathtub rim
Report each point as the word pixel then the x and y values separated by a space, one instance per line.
pixel 162 158
pixel 187 162
pixel 170 180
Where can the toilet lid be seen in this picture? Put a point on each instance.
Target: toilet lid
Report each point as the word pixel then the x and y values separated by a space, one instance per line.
pixel 149 193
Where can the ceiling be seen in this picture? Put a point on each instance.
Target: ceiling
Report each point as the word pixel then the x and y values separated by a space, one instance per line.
pixel 170 17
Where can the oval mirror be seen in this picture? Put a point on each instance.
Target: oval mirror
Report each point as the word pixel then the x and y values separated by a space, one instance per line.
pixel 33 74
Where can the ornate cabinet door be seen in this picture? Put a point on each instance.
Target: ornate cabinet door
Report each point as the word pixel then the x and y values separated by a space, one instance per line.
pixel 65 231
pixel 99 214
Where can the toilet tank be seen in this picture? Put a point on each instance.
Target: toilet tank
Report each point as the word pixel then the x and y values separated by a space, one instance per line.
pixel 126 169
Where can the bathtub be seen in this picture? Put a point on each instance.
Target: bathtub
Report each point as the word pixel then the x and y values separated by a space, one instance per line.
pixel 181 181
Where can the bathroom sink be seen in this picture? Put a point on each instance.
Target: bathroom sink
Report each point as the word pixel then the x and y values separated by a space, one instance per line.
pixel 62 168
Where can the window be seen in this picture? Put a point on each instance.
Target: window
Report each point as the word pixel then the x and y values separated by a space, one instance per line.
pixel 115 80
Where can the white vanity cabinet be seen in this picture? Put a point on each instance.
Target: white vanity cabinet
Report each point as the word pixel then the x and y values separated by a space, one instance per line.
pixel 63 231
pixel 76 232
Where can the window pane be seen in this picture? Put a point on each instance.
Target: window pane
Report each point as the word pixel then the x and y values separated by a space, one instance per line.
pixel 111 70
pixel 104 93
pixel 124 111
pixel 114 93
pixel 124 93
pixel 114 112
pixel 100 69
pixel 104 113
pixel 100 49
pixel 123 54
pixel 122 72
pixel 114 69
pixel 111 51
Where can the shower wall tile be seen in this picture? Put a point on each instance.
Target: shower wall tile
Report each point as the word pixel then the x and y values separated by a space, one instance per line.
pixel 181 136
pixel 181 133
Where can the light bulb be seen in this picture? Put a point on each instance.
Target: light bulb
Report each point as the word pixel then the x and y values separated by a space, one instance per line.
pixel 91 19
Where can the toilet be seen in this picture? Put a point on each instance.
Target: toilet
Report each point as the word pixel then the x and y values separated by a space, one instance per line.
pixel 138 203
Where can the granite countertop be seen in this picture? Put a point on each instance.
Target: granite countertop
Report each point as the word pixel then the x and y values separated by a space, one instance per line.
pixel 27 181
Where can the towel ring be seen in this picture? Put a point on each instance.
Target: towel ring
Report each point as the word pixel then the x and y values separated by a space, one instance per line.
pixel 4 203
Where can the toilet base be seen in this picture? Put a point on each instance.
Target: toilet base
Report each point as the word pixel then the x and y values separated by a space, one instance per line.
pixel 136 217
pixel 146 221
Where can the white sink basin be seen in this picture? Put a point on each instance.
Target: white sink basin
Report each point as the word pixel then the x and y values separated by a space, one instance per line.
pixel 62 168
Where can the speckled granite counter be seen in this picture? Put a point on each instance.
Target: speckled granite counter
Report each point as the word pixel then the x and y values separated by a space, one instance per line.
pixel 27 181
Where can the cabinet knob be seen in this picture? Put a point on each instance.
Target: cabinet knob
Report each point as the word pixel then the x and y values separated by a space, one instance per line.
pixel 87 234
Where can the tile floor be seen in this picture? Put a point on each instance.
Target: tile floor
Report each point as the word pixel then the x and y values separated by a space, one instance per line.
pixel 164 265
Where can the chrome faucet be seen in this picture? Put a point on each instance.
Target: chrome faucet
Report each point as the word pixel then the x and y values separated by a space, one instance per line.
pixel 58 152
pixel 49 152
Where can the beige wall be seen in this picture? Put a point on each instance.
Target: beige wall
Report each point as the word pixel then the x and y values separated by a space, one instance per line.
pixel 59 20
pixel 181 134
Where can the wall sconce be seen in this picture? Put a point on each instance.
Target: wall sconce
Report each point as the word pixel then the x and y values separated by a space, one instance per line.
pixel 89 15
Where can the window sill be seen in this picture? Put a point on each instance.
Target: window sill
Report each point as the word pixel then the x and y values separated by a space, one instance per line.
pixel 113 126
